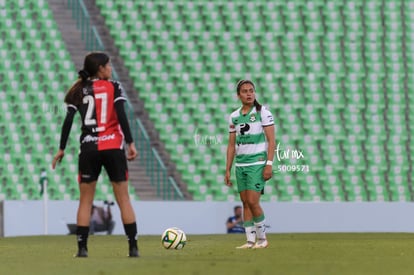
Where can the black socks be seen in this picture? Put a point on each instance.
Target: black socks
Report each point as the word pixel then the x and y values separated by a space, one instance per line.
pixel 82 233
pixel 131 233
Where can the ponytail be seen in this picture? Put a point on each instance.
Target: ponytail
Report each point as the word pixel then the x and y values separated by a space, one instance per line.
pixel 91 66
pixel 257 105
pixel 83 74
pixel 74 95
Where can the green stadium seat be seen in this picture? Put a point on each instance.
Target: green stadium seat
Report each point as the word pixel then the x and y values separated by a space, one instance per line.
pixel 32 43
pixel 342 71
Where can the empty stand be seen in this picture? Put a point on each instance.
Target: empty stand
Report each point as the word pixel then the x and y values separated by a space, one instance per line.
pixel 36 71
pixel 332 73
pixel 335 74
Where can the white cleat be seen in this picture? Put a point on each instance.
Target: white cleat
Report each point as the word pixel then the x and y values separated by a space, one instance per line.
pixel 247 245
pixel 261 244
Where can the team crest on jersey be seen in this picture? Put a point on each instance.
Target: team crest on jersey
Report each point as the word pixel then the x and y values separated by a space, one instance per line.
pixel 252 117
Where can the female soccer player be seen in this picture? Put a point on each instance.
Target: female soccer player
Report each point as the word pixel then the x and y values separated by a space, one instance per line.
pixel 252 141
pixel 100 102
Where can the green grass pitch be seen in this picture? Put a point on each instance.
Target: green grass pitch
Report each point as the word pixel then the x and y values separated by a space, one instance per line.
pixel 308 254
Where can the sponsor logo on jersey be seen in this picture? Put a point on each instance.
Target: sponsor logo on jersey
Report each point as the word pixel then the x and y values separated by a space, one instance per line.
pixel 99 89
pixel 270 118
pixel 89 138
pixel 245 143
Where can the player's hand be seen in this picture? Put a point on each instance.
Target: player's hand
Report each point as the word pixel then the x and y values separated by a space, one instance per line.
pixel 227 179
pixel 58 158
pixel 132 151
pixel 267 172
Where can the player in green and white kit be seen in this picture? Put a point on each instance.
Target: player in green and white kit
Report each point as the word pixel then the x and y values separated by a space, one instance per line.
pixel 252 141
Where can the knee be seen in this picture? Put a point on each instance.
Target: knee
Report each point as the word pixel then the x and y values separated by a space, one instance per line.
pixel 252 203
pixel 246 204
pixel 247 201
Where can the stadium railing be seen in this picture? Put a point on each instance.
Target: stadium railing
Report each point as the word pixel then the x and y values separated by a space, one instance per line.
pixel 165 185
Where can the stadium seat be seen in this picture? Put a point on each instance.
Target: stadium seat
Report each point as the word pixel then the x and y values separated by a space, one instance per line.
pixel 323 67
pixel 37 67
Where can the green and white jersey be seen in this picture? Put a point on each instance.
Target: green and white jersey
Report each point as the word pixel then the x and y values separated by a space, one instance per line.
pixel 251 143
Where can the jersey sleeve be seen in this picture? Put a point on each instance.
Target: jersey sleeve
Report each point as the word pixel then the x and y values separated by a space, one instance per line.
pixel 267 117
pixel 232 127
pixel 67 125
pixel 119 93
pixel 123 121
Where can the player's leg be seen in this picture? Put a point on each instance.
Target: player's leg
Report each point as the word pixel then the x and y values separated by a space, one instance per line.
pixel 123 201
pixel 87 192
pixel 255 187
pixel 89 168
pixel 127 215
pixel 117 169
pixel 253 200
pixel 247 223
pixel 247 214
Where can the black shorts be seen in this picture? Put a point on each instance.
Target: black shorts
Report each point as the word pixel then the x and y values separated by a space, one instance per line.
pixel 90 164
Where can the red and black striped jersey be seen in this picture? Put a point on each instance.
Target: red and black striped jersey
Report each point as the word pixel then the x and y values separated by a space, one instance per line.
pixel 101 128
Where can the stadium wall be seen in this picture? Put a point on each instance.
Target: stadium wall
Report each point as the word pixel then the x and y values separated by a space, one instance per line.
pixel 26 217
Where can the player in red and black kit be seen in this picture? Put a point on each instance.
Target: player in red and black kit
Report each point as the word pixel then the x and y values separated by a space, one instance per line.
pixel 105 127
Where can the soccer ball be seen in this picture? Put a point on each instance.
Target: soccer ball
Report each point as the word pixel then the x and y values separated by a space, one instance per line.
pixel 173 238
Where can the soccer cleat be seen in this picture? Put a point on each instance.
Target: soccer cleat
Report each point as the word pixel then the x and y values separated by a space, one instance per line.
pixel 247 245
pixel 133 252
pixel 82 253
pixel 261 244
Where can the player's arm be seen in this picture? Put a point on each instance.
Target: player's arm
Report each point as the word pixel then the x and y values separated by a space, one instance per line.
pixel 269 131
pixel 123 121
pixel 231 149
pixel 64 135
pixel 119 99
pixel 270 136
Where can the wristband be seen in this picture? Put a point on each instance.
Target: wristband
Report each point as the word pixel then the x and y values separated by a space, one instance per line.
pixel 269 162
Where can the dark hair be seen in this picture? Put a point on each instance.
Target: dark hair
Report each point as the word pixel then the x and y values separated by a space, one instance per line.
pixel 246 81
pixel 237 207
pixel 91 66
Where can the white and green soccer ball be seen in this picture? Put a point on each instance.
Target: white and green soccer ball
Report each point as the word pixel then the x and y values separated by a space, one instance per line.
pixel 173 238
